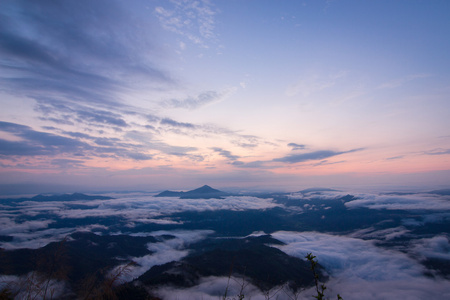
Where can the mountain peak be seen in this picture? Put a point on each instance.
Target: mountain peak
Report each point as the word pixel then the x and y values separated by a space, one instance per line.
pixel 205 189
pixel 205 192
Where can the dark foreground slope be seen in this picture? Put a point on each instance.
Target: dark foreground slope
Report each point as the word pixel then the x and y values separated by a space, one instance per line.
pixel 264 266
pixel 86 262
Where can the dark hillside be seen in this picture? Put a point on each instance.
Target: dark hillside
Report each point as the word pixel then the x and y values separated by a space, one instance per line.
pixel 262 265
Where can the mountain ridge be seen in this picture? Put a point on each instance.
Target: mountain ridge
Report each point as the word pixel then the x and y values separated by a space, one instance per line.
pixel 204 192
pixel 58 197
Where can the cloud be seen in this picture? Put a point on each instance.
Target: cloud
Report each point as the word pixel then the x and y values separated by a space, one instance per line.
pixel 165 251
pixel 67 163
pixel 384 234
pixel 193 20
pixel 176 124
pixel 401 81
pixel 227 154
pixel 339 254
pixel 326 162
pixel 146 141
pixel 132 209
pixel 316 155
pixel 427 202
pixel 69 113
pixel 360 270
pixel 36 239
pixel 213 288
pixel 36 143
pixel 412 288
pixel 102 141
pixel 77 66
pixel 395 157
pixel 79 80
pixel 439 151
pixel 101 117
pixel 98 56
pixel 435 247
pixel 295 146
pixel 113 127
pixel 13 127
pixel 200 100
pixel 207 130
pixel 312 84
pixel 259 164
pixel 137 156
pixel 18 148
pixel 9 227
pixel 313 193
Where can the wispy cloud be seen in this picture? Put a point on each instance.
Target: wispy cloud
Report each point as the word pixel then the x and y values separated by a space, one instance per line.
pixel 296 158
pixel 79 67
pixel 439 151
pixel 227 154
pixel 37 143
pixel 65 163
pixel 295 146
pixel 193 20
pixel 257 164
pixel 76 67
pixel 316 155
pixel 62 112
pixel 326 162
pixel 311 84
pixel 176 124
pixel 395 157
pixel 401 81
pixel 198 101
pixel 37 61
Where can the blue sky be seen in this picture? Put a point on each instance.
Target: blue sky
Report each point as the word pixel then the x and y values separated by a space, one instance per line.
pixel 236 94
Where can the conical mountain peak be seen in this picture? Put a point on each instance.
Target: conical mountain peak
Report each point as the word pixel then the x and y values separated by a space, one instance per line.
pixel 205 189
pixel 202 192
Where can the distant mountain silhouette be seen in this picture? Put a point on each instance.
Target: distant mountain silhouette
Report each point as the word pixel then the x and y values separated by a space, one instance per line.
pixel 62 197
pixel 443 192
pixel 318 190
pixel 169 194
pixel 204 192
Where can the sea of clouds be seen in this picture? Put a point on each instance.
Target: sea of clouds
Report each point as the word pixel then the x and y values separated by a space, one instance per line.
pixel 358 266
pixel 134 209
pixel 358 269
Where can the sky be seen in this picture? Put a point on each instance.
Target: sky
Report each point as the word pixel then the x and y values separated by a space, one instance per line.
pixel 255 94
